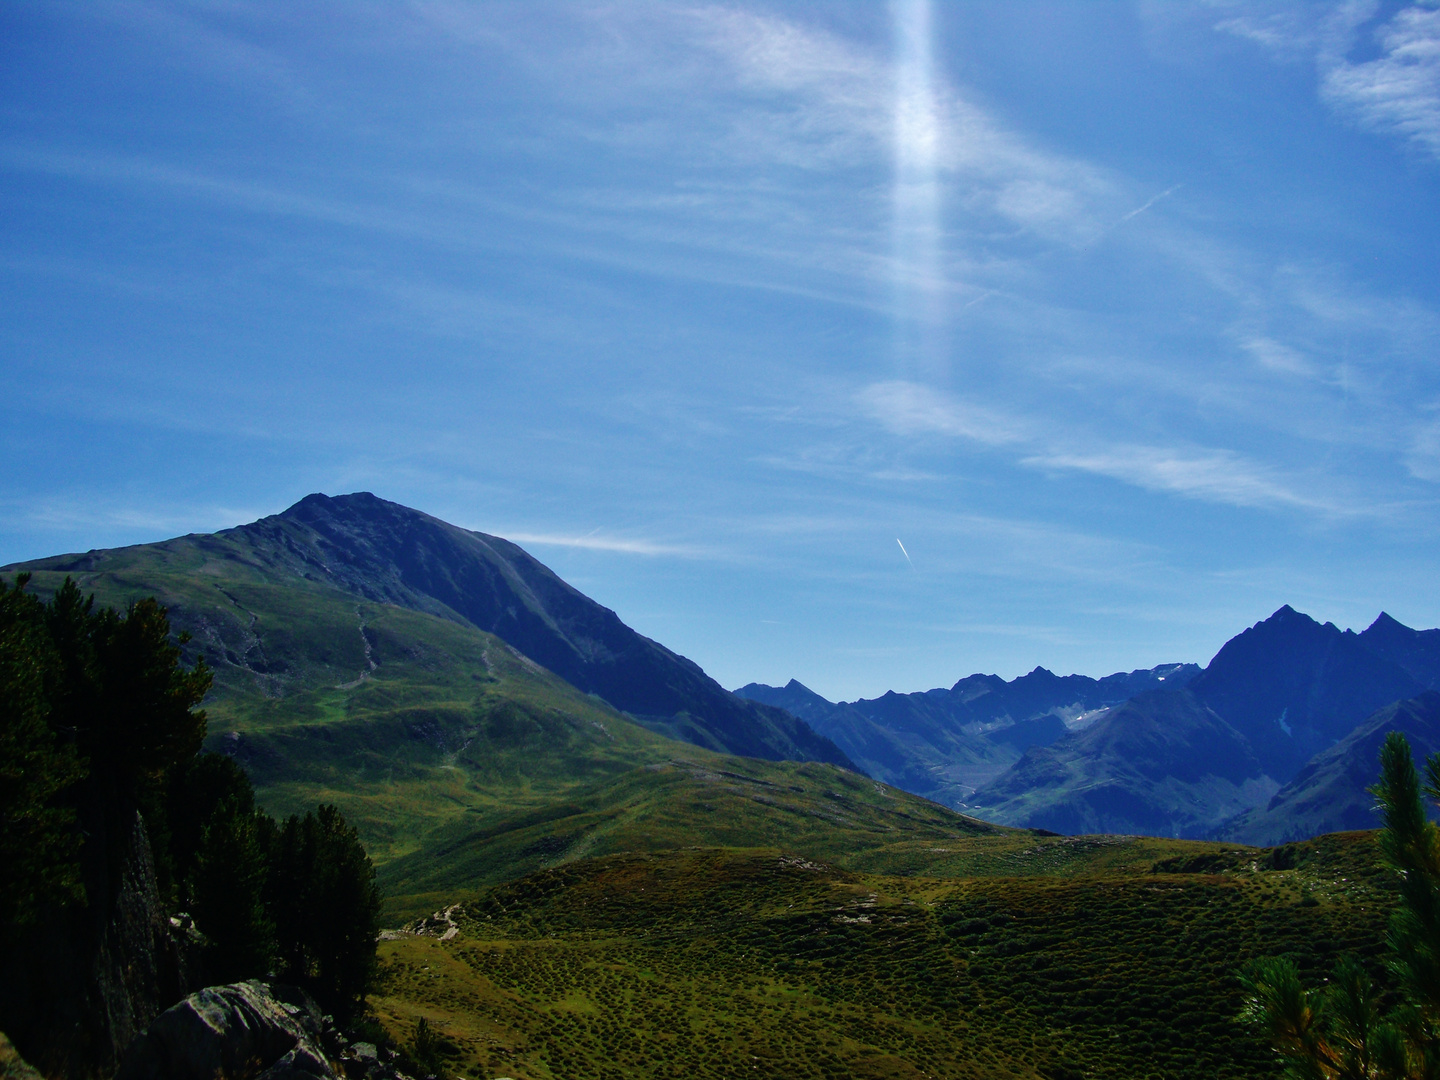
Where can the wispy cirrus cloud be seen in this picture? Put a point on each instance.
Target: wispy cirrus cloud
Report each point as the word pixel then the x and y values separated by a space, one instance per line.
pixel 842 102
pixel 593 542
pixel 1218 476
pixel 732 88
pixel 1275 355
pixel 1208 474
pixel 907 408
pixel 1286 30
pixel 1396 92
pixel 754 107
pixel 1423 459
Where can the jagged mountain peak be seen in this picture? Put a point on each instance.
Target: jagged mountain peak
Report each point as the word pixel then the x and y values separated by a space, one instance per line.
pixel 1417 651
pixel 1386 623
pixel 1293 686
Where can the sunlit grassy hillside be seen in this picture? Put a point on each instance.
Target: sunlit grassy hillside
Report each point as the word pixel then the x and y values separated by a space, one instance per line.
pixel 463 763
pixel 707 963
pixel 626 905
pixel 406 720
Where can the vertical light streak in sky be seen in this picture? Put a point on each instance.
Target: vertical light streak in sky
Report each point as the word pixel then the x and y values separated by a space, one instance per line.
pixel 916 226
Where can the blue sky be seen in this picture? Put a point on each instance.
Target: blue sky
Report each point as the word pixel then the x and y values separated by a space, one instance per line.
pixel 1124 319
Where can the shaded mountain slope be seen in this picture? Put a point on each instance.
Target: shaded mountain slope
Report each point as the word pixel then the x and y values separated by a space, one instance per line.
pixel 1276 695
pixel 794 697
pixel 386 553
pixel 932 758
pixel 1417 651
pixel 1162 764
pixel 1293 687
pixel 945 743
pixel 1330 793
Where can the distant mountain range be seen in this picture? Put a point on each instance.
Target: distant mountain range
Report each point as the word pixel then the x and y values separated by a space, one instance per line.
pixel 1185 762
pixel 944 744
pixel 1275 740
pixel 368 652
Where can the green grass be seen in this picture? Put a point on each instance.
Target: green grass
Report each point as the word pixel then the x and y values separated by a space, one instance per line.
pixel 692 799
pixel 710 963
pixel 636 907
pixel 406 720
pixel 462 763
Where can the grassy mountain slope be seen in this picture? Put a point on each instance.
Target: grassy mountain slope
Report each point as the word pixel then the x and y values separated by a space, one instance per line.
pixel 812 809
pixel 707 964
pixel 379 552
pixel 402 718
pixel 461 761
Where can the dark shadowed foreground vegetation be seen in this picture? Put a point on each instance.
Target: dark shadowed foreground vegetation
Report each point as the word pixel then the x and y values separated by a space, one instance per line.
pixel 625 905
pixel 136 868
pixel 1351 1028
pixel 706 963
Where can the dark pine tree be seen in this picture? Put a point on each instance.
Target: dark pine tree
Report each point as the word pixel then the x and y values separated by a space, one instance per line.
pixel 39 847
pixel 325 905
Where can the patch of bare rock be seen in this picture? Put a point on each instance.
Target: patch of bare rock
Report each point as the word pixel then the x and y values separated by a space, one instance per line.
pixel 251 1030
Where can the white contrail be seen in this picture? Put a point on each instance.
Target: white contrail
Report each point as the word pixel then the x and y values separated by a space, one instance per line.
pixel 905 553
pixel 1141 209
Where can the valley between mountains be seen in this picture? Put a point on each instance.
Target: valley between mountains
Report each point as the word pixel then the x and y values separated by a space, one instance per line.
pixel 606 864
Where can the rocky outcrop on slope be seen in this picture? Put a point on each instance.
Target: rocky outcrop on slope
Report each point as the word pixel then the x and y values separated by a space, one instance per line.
pixel 241 1031
pixel 253 1030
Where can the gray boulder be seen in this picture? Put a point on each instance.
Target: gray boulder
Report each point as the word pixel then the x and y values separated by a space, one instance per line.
pixel 245 1031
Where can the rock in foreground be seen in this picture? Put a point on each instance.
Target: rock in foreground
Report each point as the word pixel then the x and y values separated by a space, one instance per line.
pixel 244 1031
